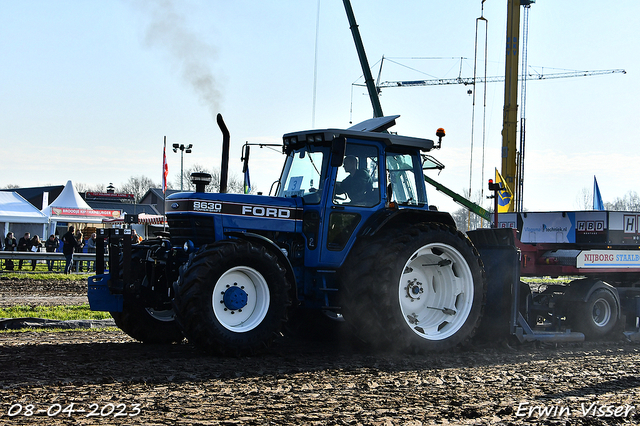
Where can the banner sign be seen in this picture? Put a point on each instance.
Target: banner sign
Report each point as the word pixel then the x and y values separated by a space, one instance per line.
pixel 66 211
pixel 109 195
pixel 609 259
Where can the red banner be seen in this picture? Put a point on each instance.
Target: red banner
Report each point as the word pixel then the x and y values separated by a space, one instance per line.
pixel 66 211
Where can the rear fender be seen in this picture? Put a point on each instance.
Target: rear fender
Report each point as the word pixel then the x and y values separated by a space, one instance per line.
pixel 581 290
pixel 388 217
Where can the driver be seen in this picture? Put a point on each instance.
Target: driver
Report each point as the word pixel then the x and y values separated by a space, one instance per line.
pixel 357 185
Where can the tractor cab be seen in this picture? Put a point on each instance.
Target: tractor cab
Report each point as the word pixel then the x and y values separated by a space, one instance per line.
pixel 352 179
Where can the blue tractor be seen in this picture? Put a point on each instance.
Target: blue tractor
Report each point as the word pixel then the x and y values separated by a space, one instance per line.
pixel 348 233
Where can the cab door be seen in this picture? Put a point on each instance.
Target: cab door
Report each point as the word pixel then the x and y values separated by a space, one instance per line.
pixel 355 194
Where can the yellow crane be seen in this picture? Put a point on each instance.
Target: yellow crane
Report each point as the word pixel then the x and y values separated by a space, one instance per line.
pixel 510 112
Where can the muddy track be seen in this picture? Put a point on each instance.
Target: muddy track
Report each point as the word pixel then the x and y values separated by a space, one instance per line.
pixel 116 380
pixel 39 292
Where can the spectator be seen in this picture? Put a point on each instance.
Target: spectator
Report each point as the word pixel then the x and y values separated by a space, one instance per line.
pixel 79 249
pixel 36 244
pixel 91 248
pixel 70 244
pixel 24 244
pixel 10 244
pixel 51 245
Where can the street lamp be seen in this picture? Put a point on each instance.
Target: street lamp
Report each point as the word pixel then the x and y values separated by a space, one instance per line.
pixel 182 149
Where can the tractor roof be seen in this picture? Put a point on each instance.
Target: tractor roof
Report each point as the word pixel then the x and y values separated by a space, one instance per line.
pixel 372 129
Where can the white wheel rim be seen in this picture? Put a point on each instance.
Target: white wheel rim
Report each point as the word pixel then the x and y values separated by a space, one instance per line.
pixel 601 312
pixel 436 291
pixel 251 303
pixel 166 315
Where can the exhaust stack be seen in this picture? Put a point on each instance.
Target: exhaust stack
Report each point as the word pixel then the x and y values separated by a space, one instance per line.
pixel 200 180
pixel 224 168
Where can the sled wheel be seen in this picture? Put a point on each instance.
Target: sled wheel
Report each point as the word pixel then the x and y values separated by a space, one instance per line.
pixel 598 316
pixel 232 297
pixel 419 289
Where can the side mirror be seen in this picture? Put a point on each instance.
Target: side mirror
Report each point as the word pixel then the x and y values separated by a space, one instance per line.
pixel 338 147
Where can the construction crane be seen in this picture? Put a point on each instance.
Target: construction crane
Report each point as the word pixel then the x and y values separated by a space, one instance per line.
pixel 510 79
pixel 512 159
pixel 512 168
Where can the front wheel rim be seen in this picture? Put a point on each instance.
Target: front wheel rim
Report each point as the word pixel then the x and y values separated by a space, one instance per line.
pixel 240 299
pixel 163 315
pixel 436 291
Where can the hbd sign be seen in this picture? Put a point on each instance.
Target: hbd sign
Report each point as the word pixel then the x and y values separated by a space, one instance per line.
pixel 590 226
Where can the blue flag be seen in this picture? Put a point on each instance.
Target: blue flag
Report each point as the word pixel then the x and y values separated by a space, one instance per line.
pixel 597 198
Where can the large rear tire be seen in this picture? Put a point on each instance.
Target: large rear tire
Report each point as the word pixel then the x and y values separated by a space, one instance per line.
pixel 418 289
pixel 232 297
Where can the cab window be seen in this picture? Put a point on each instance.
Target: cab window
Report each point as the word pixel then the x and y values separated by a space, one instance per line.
pixel 303 174
pixel 402 176
pixel 357 181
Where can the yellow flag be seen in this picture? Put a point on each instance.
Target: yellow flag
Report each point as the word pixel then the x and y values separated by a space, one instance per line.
pixel 505 196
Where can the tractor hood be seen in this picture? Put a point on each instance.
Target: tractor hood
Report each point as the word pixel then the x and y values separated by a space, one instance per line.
pixel 239 211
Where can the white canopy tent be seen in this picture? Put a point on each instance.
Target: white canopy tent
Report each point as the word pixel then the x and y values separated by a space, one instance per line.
pixel 16 210
pixel 71 208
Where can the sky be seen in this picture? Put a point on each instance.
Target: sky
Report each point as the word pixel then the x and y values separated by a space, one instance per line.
pixel 89 89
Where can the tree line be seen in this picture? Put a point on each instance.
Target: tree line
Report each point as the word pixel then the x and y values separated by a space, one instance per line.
pixel 139 185
pixel 629 201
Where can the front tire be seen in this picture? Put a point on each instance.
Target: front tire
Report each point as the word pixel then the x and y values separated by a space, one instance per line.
pixel 419 289
pixel 148 325
pixel 138 319
pixel 232 297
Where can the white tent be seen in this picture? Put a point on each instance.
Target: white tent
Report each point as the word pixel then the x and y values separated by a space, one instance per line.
pixel 15 209
pixel 70 207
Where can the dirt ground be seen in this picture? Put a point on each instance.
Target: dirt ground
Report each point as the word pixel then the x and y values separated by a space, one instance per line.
pixel 104 377
pixel 42 293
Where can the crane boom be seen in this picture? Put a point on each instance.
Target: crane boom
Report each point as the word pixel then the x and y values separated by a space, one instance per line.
pixel 495 79
pixel 364 63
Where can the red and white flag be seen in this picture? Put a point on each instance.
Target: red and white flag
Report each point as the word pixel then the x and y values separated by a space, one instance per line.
pixel 165 167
